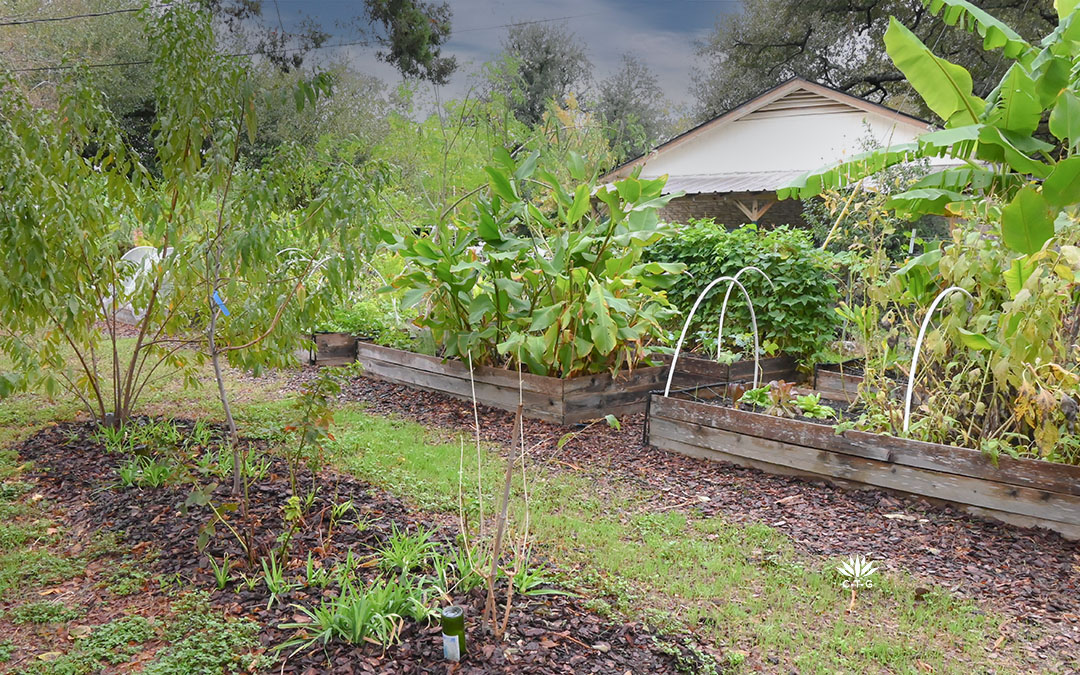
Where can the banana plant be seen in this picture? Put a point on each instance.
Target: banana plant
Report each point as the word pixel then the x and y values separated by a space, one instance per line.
pixel 1008 378
pixel 543 275
pixel 1010 174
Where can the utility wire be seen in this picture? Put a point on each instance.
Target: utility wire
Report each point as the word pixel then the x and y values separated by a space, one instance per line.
pixel 143 63
pixel 47 19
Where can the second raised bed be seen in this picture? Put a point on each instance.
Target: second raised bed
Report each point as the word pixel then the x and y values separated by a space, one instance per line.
pixel 1024 492
pixel 562 401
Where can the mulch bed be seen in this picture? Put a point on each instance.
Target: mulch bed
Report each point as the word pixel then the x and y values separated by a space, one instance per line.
pixel 547 634
pixel 1032 575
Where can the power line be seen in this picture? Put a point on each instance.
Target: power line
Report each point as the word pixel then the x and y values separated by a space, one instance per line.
pixel 144 63
pixel 47 19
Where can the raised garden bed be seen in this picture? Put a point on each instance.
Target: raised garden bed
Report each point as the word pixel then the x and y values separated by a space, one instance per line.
pixel 839 381
pixel 1019 491
pixel 562 401
pixel 333 349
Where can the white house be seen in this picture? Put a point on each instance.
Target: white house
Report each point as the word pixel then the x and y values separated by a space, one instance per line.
pixel 731 166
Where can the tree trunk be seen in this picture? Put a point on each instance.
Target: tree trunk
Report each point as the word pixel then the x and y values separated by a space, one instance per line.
pixel 234 438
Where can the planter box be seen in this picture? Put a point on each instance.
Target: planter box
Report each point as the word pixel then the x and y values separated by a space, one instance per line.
pixel 562 401
pixel 691 370
pixel 834 381
pixel 333 349
pixel 1022 492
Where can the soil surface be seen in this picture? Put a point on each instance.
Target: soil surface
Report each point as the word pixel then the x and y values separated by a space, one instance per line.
pixel 547 634
pixel 1031 575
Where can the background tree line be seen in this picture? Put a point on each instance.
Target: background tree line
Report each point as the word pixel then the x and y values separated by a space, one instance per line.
pixel 542 68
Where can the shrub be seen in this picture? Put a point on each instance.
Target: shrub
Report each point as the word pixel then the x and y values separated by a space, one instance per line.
pixel 796 317
pixel 545 276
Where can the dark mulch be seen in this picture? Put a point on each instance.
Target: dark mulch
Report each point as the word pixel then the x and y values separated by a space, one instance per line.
pixel 1032 575
pixel 547 634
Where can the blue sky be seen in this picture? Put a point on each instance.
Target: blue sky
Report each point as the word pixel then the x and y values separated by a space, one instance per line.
pixel 661 32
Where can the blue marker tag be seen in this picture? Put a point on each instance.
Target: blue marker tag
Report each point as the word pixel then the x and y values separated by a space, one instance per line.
pixel 217 299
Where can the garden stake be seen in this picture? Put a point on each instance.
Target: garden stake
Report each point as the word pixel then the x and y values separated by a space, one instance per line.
pixel 690 317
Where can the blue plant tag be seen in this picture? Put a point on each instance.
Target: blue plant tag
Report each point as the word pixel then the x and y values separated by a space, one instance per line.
pixel 217 299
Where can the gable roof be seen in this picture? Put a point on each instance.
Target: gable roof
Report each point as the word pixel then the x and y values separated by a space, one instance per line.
pixel 792 98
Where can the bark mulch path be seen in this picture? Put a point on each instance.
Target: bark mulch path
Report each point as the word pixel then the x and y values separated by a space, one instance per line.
pixel 547 634
pixel 1030 574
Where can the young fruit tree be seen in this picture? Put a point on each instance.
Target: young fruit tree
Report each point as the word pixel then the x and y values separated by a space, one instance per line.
pixel 236 269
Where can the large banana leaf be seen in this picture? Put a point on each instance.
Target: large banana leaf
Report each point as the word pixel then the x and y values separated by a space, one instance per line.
pixel 813 183
pixel 945 87
pixel 994 33
pixel 1015 103
pixel 1027 222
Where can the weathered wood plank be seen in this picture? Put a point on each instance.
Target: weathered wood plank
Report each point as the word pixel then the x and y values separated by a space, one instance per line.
pixel 647 378
pixel 496 376
pixel 951 487
pixel 334 349
pixel 539 405
pixel 948 459
pixel 836 386
pixel 1066 529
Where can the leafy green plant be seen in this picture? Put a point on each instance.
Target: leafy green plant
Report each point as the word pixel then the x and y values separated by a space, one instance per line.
pixel 224 240
pixel 199 639
pixel 222 571
pixel 811 406
pixel 355 616
pixel 406 552
pixel 757 397
pixel 1001 371
pixel 534 581
pixel 44 612
pixel 546 277
pixel 274 578
pixel 377 319
pixel 315 575
pixel 143 471
pixel 794 312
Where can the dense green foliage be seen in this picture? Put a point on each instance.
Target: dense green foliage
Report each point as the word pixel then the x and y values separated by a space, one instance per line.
pixel 1001 372
pixel 794 314
pixel 549 278
pixel 377 319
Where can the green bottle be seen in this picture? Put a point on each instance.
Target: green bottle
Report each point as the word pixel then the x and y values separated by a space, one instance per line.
pixel 453 633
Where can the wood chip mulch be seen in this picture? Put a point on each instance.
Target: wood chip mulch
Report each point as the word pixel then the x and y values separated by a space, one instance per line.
pixel 547 634
pixel 1032 575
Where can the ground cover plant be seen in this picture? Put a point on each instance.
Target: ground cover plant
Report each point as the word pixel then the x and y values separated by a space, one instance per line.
pixel 1006 337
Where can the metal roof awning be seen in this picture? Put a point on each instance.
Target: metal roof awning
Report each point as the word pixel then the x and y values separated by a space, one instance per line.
pixel 750 181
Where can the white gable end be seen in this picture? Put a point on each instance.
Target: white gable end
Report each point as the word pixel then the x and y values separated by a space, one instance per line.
pixel 799 131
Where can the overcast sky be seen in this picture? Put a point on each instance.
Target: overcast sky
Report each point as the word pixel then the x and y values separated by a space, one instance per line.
pixel 662 33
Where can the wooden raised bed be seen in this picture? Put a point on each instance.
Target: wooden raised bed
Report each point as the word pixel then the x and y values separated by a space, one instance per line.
pixel 835 382
pixel 1022 492
pixel 333 349
pixel 562 401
